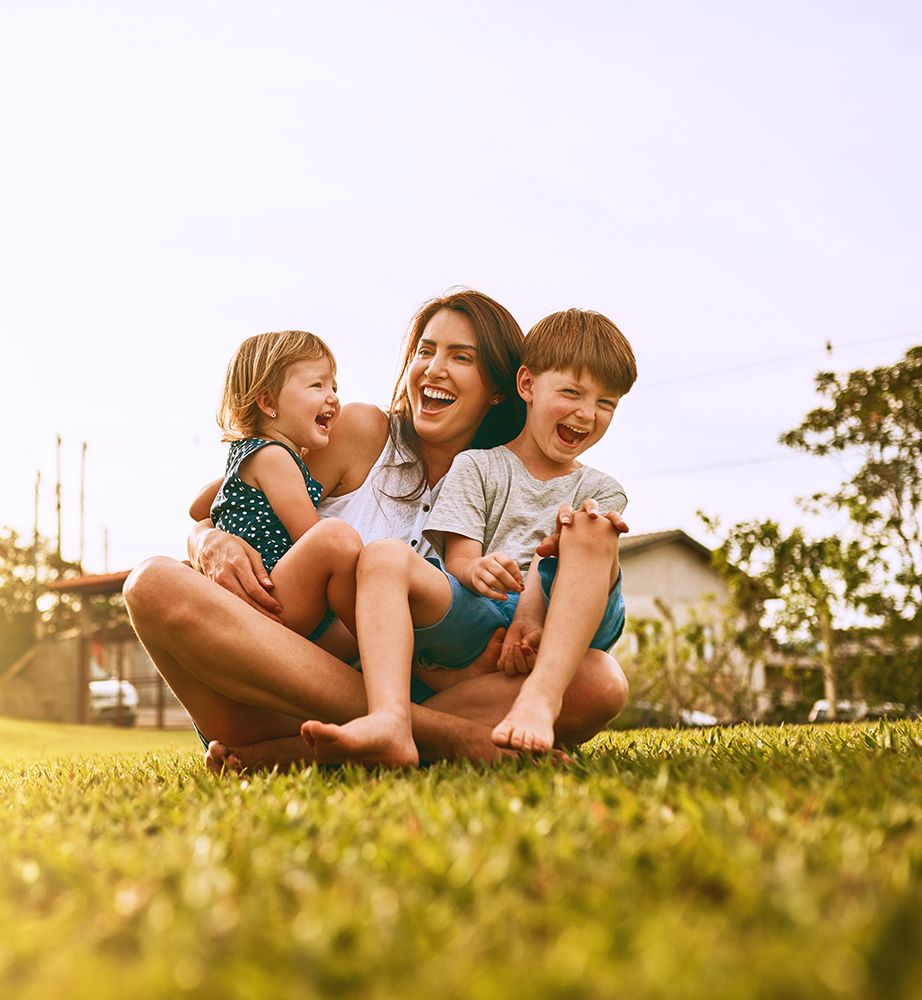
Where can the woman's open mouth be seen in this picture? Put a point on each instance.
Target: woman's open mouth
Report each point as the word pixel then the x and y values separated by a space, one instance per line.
pixel 432 400
pixel 572 437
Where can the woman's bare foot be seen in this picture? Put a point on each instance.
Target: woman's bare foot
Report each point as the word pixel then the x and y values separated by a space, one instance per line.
pixel 529 725
pixel 282 753
pixel 380 738
pixel 221 760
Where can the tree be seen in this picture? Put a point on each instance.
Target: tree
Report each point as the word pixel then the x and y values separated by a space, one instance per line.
pixel 798 586
pixel 876 415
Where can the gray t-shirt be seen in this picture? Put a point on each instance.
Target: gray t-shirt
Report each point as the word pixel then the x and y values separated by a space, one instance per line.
pixel 490 496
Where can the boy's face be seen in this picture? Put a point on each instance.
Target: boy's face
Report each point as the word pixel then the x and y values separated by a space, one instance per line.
pixel 566 414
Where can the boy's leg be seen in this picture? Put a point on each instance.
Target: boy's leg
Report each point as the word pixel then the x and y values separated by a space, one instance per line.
pixel 396 590
pixel 317 573
pixel 588 564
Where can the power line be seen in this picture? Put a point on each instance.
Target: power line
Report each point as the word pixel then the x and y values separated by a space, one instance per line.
pixel 829 348
pixel 710 466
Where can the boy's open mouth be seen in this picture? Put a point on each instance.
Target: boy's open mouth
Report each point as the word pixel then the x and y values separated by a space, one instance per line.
pixel 432 400
pixel 570 435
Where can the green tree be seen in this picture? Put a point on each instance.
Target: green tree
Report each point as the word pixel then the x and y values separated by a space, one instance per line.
pixel 875 416
pixel 797 586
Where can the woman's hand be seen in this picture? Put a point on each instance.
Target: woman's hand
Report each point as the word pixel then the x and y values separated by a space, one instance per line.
pixel 234 565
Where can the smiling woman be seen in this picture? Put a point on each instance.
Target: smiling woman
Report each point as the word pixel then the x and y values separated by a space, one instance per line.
pixel 249 682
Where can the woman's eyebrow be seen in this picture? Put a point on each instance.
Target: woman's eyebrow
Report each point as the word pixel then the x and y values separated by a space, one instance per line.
pixel 451 347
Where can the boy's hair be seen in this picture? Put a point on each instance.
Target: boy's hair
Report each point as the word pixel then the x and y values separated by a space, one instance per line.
pixel 499 346
pixel 258 368
pixel 581 340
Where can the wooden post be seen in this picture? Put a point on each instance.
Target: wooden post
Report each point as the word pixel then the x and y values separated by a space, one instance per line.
pixel 82 499
pixel 57 500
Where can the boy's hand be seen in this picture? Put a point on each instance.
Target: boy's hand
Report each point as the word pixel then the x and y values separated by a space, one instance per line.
pixel 520 647
pixel 551 545
pixel 495 575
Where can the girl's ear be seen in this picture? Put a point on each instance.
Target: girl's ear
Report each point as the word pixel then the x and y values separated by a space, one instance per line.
pixel 524 382
pixel 266 405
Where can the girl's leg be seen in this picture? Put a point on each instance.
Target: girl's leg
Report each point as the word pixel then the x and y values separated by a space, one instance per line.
pixel 397 590
pixel 317 573
pixel 588 564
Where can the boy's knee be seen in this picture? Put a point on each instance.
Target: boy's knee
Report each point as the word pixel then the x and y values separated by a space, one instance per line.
pixel 594 534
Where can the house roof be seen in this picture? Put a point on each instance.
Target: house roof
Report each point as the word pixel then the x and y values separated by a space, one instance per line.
pixel 635 543
pixel 99 583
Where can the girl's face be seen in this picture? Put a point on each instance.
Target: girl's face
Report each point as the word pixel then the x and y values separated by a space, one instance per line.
pixel 447 393
pixel 307 404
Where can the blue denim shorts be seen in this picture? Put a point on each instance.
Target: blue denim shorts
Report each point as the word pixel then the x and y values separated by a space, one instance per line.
pixel 463 632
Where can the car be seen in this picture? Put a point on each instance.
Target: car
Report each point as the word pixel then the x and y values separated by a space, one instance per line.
pixel 846 711
pixel 112 701
pixel 654 715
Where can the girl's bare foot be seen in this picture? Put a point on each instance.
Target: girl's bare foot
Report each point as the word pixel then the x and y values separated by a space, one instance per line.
pixel 529 725
pixel 380 738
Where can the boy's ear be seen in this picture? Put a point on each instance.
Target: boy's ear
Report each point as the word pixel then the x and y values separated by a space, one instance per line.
pixel 524 382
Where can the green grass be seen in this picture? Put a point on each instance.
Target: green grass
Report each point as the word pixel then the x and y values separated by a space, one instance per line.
pixel 742 862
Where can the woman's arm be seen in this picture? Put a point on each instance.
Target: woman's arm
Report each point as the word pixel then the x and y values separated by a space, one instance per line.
pixel 200 510
pixel 356 440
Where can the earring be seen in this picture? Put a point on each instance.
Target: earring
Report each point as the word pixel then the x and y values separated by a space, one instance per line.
pixel 496 400
pixel 273 414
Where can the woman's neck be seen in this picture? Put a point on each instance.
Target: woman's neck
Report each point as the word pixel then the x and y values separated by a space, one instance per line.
pixel 438 459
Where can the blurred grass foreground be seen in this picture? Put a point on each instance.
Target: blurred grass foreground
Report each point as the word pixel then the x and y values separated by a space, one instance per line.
pixel 743 862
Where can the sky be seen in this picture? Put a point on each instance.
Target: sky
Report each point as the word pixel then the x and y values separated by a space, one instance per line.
pixel 735 184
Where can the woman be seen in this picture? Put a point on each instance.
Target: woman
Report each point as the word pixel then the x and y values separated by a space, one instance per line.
pixel 247 681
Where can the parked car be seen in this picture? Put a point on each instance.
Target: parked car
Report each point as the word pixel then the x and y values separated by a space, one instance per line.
pixel 652 715
pixel 112 701
pixel 856 711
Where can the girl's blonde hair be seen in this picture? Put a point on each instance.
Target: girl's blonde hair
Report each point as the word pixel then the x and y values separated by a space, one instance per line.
pixel 258 369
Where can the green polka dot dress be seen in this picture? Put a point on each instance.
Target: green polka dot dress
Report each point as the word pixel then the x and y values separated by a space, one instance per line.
pixel 245 511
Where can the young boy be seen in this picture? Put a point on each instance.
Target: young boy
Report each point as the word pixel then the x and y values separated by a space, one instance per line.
pixel 493 511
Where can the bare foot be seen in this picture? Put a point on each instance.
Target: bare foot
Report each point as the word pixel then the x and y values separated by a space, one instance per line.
pixel 529 725
pixel 372 739
pixel 282 753
pixel 220 760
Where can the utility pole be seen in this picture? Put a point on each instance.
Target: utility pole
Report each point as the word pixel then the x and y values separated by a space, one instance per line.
pixel 82 497
pixel 38 484
pixel 57 500
pixel 105 549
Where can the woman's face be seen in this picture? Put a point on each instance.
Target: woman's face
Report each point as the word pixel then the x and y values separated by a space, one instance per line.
pixel 447 392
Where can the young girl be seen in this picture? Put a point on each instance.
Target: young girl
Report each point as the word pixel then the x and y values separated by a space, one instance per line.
pixel 280 400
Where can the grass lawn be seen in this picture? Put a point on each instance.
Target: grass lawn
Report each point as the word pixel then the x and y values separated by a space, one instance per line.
pixel 745 862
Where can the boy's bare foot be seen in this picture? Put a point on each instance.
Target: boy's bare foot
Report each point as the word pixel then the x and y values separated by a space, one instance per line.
pixel 529 725
pixel 372 739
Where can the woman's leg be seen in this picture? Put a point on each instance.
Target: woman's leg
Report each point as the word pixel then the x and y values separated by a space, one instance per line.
pixel 397 590
pixel 245 679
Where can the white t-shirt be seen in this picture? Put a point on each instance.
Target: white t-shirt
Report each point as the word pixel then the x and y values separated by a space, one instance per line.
pixel 374 514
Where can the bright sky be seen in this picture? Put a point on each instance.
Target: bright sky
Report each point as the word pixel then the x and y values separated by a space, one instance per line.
pixel 734 184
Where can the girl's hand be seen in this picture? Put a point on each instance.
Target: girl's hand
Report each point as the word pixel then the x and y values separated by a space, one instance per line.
pixel 238 568
pixel 495 575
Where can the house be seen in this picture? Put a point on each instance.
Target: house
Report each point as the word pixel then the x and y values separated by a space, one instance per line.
pixel 51 679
